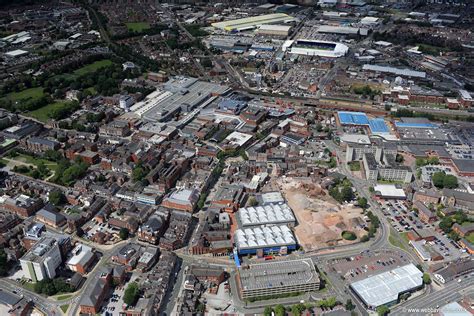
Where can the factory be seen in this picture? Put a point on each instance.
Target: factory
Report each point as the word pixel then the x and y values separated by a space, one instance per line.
pixel 264 240
pixel 264 279
pixel 270 214
pixel 179 94
pixel 385 288
pixel 252 22
pixel 315 48
pixel 274 30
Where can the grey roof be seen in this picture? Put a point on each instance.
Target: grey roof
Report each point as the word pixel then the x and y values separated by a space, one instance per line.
pixel 464 165
pixel 51 215
pixel 395 71
pixel 91 297
pixel 275 274
pixel 385 287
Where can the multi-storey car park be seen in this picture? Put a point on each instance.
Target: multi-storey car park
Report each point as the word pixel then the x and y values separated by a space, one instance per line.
pixel 277 278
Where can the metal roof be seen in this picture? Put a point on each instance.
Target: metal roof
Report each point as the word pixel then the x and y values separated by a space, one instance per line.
pixel 267 214
pixel 385 287
pixel 262 237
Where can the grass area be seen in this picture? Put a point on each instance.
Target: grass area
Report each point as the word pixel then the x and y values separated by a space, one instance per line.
pixel 354 166
pixel 470 238
pixel 397 243
pixel 36 161
pixel 63 297
pixel 29 286
pixel 137 26
pixel 347 235
pixel 91 90
pixel 383 181
pixel 64 308
pixel 92 67
pixel 41 114
pixel 27 94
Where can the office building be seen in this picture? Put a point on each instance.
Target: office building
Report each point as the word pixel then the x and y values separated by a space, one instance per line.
pixel 41 261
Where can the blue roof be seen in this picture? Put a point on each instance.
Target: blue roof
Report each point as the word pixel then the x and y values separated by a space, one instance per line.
pixel 416 125
pixel 353 118
pixel 232 104
pixel 378 126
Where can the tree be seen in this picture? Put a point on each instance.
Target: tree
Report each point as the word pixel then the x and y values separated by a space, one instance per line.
pixel 131 294
pixel 382 310
pixel 297 309
pixel 253 201
pixel 399 158
pixel 56 198
pixel 349 305
pixel 3 262
pixel 426 278
pixel 362 201
pixel 450 181
pixel 438 179
pixel 267 311
pixel 124 233
pixel 279 310
pixel 139 173
pixel 445 224
pixel 364 238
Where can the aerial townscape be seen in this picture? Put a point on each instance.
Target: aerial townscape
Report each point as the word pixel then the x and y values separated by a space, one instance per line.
pixel 248 157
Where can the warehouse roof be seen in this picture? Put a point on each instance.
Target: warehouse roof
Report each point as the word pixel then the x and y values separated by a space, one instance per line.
pixel 395 71
pixel 385 287
pixel 390 190
pixel 268 214
pixel 275 274
pixel 252 22
pixel 261 237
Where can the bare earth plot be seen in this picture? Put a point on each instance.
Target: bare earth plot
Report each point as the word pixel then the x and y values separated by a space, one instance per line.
pixel 321 220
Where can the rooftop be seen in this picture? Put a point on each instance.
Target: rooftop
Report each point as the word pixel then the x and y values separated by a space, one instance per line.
pixel 268 214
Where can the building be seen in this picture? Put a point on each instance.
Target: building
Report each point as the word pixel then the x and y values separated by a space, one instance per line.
pixel 14 305
pixel 356 151
pixel 23 205
pixel 81 260
pixel 91 301
pixel 252 22
pixel 38 145
pixel 274 30
pixel 231 106
pixel 463 230
pixel 385 288
pixel 272 278
pixel 229 197
pixel 152 229
pixel 395 71
pixel 425 214
pixel 385 168
pixel 41 261
pixel 126 101
pixel 179 94
pixel 182 199
pixel 260 239
pixel 453 270
pixel 308 47
pixel 147 259
pixel 268 215
pixel 115 128
pixel 50 217
pixel 390 191
pixel 210 274
pixel 458 199
pixel 21 131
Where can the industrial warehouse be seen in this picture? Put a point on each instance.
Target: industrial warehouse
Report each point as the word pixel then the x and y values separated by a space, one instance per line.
pixel 252 22
pixel 385 288
pixel 264 240
pixel 315 48
pixel 278 277
pixel 270 214
pixel 181 94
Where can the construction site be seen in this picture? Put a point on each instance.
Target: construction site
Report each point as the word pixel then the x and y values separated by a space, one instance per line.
pixel 321 220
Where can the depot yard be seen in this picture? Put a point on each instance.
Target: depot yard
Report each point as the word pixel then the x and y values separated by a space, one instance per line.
pixel 321 220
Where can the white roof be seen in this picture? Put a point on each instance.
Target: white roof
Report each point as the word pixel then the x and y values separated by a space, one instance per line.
pixel 237 138
pixel 275 27
pixel 390 190
pixel 385 287
pixel 267 214
pixel 454 309
pixel 81 255
pixel 16 52
pixel 395 71
pixel 248 238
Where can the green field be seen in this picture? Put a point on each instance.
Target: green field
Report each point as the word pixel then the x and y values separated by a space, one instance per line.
pixel 63 297
pixel 28 94
pixel 41 114
pixel 354 166
pixel 470 238
pixel 64 308
pixel 92 67
pixel 35 161
pixel 138 26
pixel 397 243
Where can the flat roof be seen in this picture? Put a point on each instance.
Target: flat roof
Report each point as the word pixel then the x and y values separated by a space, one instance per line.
pixel 252 22
pixel 238 138
pixel 275 274
pixel 353 118
pixel 378 126
pixel 389 190
pixel 385 287
pixel 81 255
pixel 395 71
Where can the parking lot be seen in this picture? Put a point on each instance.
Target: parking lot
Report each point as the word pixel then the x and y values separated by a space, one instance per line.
pixel 114 304
pixel 367 264
pixel 92 227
